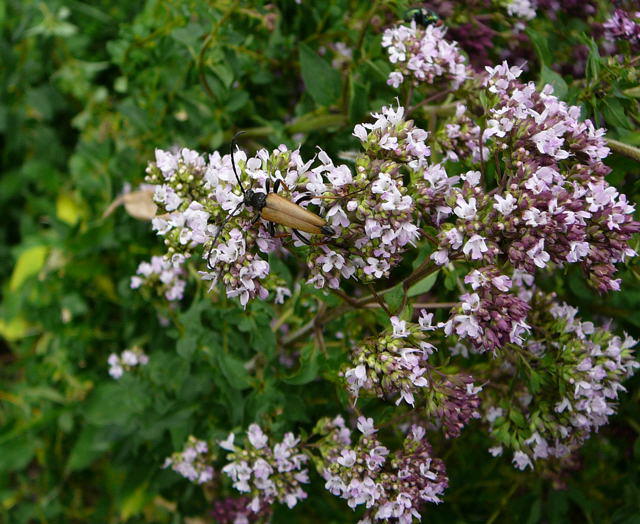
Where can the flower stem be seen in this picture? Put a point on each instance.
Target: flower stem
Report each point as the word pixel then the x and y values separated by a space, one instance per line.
pixel 624 149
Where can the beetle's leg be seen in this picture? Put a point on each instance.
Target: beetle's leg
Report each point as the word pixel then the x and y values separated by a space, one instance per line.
pixel 302 238
pixel 271 226
pixel 281 235
pixel 255 219
pixel 276 185
pixel 284 184
pixel 209 266
pixel 304 198
pixel 267 186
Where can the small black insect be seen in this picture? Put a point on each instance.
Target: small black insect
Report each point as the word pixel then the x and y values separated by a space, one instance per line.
pixel 277 209
pixel 422 16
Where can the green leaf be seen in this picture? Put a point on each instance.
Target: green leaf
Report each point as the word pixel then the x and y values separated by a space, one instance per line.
pixel 88 447
pixel 593 60
pixel 394 297
pixel 308 369
pixel 358 103
pixel 541 45
pixel 168 370
pixel 116 403
pixel 323 83
pixel 381 68
pixel 224 73
pixel 233 370
pixel 535 381
pixel 14 329
pixel 633 92
pixel 16 453
pixel 535 512
pixel 517 418
pixel 614 113
pixel 187 345
pixel 423 285
pixel 549 76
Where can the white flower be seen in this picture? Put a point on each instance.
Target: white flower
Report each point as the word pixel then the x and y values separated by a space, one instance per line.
pixel 365 426
pixel 347 458
pixel 539 256
pixel 399 328
pixel 228 443
pixel 465 210
pixel 521 460
pixel 475 246
pixel 504 205
pixel 256 436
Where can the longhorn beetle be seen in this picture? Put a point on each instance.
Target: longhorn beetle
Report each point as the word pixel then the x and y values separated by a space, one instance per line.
pixel 276 209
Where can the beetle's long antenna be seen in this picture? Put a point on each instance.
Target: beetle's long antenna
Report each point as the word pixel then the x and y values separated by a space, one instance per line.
pixel 233 162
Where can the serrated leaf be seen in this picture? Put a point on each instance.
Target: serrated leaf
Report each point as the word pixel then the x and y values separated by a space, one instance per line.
pixel 322 82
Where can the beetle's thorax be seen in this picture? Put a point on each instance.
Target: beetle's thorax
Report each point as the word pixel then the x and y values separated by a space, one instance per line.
pixel 255 199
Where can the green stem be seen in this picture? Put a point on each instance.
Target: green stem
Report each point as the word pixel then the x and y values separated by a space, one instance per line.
pixel 423 270
pixel 503 502
pixel 303 124
pixel 624 149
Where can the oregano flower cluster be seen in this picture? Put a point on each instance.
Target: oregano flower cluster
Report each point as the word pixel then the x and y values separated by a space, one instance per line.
pixel 389 485
pixel 586 365
pixel 545 204
pixel 393 363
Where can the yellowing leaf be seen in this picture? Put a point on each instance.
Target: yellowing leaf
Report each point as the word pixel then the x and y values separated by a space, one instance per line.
pixel 13 329
pixel 135 502
pixel 67 209
pixel 29 263
pixel 140 205
pixel 104 284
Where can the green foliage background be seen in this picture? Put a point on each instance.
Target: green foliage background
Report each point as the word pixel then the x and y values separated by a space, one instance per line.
pixel 88 90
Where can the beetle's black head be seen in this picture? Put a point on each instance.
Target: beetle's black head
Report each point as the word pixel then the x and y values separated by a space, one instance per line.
pixel 422 16
pixel 328 230
pixel 255 199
